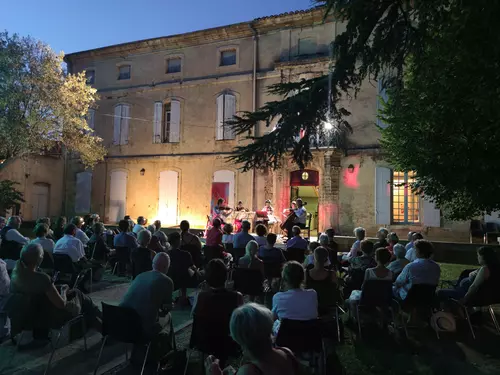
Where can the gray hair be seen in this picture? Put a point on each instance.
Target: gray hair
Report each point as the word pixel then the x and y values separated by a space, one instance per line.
pixel 161 262
pixel 399 251
pixel 243 323
pixel 144 238
pixel 359 233
pixel 323 240
pixel 151 228
pixel 162 237
pixel 14 222
pixel 31 254
pixel 251 249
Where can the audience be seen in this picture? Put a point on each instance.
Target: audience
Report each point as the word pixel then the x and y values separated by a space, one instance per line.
pixel 397 265
pixel 330 232
pixel 366 260
pixel 262 356
pixel 422 270
pixel 46 220
pixel 41 232
pixel 323 281
pixel 151 292
pixel 3 222
pixel 261 232
pixel 409 245
pixel 187 238
pixel 227 237
pixel 12 240
pixel 214 234
pixel 160 235
pixel 250 259
pixel 241 239
pixel 4 294
pixel 100 249
pixel 125 238
pixel 382 238
pixel 142 256
pixel 154 244
pixel 269 253
pixel 411 253
pixel 393 240
pixel 80 234
pixel 359 233
pixel 59 228
pixel 88 226
pixel 141 222
pixel 295 303
pixel 323 242
pixel 296 242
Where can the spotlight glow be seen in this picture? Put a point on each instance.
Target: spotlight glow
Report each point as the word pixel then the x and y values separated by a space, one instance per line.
pixel 327 125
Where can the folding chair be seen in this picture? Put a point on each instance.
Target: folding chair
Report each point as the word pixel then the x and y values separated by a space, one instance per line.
pixel 122 260
pixel 65 267
pixel 421 298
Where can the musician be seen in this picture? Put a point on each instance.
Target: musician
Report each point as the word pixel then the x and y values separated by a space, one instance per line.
pixel 299 219
pixel 240 207
pixel 221 212
pixel 270 214
pixel 288 211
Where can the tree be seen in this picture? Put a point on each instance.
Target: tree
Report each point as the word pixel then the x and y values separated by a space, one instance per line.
pixel 40 105
pixel 9 195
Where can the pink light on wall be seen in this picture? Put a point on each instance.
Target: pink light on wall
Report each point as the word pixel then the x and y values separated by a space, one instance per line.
pixel 328 216
pixel 350 176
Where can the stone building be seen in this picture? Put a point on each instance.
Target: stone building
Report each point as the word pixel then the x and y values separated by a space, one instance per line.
pixel 161 112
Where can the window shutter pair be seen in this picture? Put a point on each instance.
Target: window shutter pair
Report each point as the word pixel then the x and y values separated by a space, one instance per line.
pixel 91 118
pixel 175 122
pixel 121 124
pixel 226 109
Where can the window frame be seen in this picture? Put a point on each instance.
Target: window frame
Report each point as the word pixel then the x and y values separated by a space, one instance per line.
pixel 227 48
pixel 406 213
pixel 165 136
pixel 224 94
pixel 119 67
pixel 181 63
pixel 87 77
pixel 221 61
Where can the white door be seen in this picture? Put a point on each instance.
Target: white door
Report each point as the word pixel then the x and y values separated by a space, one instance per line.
pixel 117 196
pixel 167 203
pixel 40 201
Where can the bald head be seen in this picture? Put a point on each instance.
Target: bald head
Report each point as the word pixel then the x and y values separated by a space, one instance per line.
pixel 161 263
pixel 32 254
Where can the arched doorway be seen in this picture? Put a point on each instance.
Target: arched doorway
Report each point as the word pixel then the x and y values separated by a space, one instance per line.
pixel 304 183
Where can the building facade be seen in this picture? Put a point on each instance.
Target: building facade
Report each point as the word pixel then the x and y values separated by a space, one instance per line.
pixel 161 114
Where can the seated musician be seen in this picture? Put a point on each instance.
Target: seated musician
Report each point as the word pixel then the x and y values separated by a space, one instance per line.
pixel 270 214
pixel 240 207
pixel 299 219
pixel 220 211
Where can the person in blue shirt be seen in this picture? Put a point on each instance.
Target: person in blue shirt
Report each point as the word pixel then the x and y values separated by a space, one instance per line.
pixel 241 239
pixel 125 238
pixel 296 242
pixel 269 253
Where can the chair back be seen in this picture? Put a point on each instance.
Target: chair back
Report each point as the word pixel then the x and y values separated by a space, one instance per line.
pixel 488 293
pixel 272 269
pixel 248 281
pixel 121 323
pixel 123 254
pixel 141 261
pixel 110 240
pixel 195 254
pixel 421 295
pixel 296 254
pixel 210 335
pixel 64 264
pixel 300 336
pixel 212 252
pixel 47 262
pixel 356 278
pixel 376 293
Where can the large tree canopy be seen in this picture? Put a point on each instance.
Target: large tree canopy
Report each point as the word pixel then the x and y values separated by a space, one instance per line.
pixel 40 105
pixel 439 62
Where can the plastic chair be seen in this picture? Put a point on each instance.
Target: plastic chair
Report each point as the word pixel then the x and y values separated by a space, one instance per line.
pixel 248 281
pixel 304 337
pixel 65 267
pixel 122 324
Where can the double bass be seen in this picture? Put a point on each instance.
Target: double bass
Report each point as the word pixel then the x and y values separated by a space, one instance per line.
pixel 289 219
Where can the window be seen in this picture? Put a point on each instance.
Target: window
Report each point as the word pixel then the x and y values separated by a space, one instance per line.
pixel 90 118
pixel 405 204
pixel 228 57
pixel 167 122
pixel 90 75
pixel 226 109
pixel 381 100
pixel 121 124
pixel 124 72
pixel 83 192
pixel 174 65
pixel 307 47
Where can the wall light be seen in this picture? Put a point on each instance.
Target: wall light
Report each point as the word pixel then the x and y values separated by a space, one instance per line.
pixel 350 168
pixel 143 171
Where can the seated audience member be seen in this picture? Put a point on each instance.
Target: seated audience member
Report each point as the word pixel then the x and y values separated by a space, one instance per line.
pixel 409 245
pixel 250 259
pixel 323 281
pixel 227 236
pixel 241 239
pixel 3 222
pixel 214 234
pixel 380 272
pixel 183 272
pixel 411 253
pixel 41 232
pixel 88 227
pixel 12 240
pixel 296 242
pixel 382 238
pixel 295 303
pixel 100 250
pixel 323 242
pixel 393 239
pixel 141 222
pixel 366 260
pixel 4 294
pixel 151 292
pixel 56 309
pixel 142 256
pixel 46 220
pixel 269 253
pixel 59 228
pixel 80 234
pixel 261 232
pixel 359 233
pixel 162 237
pixel 262 356
pixel 422 270
pixel 488 274
pixel 188 238
pixel 154 244
pixel 333 247
pixel 397 265
pixel 125 238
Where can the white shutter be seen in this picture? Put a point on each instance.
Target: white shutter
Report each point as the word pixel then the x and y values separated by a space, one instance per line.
pixel 117 125
pixel 90 118
pixel 175 121
pixel 219 126
pixel 382 196
pixel 125 124
pixel 382 98
pixel 167 202
pixel 157 122
pixel 117 196
pixel 229 112
pixel 432 215
pixel 83 192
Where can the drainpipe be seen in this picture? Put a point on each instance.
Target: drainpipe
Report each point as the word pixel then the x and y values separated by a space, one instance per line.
pixel 254 107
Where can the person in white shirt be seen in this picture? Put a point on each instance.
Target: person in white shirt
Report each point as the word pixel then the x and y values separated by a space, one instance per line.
pixel 411 252
pixel 12 240
pixel 80 234
pixel 70 245
pixel 141 222
pixel 41 231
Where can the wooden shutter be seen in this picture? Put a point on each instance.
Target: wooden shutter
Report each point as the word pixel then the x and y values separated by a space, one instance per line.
pixel 117 196
pixel 158 108
pixel 117 124
pixel 83 192
pixel 125 124
pixel 382 196
pixel 229 112
pixel 219 126
pixel 167 202
pixel 432 215
pixel 175 121
pixel 90 118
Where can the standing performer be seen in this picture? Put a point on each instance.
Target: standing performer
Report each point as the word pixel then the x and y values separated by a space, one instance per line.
pixel 299 219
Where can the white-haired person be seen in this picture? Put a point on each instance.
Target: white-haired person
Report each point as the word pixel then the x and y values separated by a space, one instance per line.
pixel 155 243
pixel 400 262
pixel 359 234
pixel 141 222
pixel 142 256
pixel 261 357
pixel 382 234
pixel 12 240
pixel 323 242
pixel 41 232
pixel 251 259
pixel 411 252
